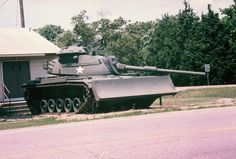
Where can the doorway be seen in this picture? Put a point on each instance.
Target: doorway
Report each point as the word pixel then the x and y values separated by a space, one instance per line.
pixel 15 74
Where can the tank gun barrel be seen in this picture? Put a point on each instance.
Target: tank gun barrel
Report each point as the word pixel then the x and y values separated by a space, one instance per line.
pixel 124 67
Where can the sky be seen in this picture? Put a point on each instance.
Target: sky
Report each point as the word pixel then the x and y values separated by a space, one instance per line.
pixel 59 12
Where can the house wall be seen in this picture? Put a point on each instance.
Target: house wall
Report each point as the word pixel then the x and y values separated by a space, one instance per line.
pixel 36 69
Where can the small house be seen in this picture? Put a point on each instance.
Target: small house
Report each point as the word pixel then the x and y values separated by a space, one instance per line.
pixel 22 54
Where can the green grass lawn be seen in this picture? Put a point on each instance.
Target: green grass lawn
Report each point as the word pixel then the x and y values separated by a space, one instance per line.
pixel 200 96
pixel 226 92
pixel 28 123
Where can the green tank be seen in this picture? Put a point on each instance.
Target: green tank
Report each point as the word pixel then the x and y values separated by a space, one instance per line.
pixel 83 83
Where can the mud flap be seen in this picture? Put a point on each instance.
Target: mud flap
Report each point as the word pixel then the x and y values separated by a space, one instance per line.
pixel 132 87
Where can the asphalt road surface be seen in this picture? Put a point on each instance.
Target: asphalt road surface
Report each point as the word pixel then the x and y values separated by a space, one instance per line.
pixel 197 134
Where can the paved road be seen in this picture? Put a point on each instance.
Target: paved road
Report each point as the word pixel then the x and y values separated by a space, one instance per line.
pixel 198 134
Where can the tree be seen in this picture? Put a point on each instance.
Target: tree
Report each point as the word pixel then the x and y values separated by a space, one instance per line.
pixel 163 43
pixel 97 35
pixel 171 44
pixel 108 31
pixel 187 26
pixel 83 30
pixel 212 44
pixel 131 46
pixel 50 32
pixel 65 39
pixel 230 27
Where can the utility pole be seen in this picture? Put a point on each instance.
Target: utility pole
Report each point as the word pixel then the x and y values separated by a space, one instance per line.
pixel 22 17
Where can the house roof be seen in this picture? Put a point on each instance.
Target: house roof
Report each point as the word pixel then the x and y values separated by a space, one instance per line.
pixel 24 42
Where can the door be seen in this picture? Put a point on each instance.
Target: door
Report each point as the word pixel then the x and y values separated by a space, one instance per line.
pixel 14 75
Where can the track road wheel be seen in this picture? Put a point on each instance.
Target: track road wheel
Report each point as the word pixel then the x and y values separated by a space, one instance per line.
pixel 76 104
pixel 51 105
pixel 59 105
pixel 68 105
pixel 43 106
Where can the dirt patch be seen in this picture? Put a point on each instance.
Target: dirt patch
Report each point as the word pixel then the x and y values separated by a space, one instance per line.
pixel 83 117
pixel 226 101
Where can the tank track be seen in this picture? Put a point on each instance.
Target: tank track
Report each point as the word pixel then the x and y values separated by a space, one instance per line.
pixel 89 104
pixel 45 103
pixel 43 94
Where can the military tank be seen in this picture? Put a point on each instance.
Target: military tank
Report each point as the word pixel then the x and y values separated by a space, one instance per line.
pixel 84 83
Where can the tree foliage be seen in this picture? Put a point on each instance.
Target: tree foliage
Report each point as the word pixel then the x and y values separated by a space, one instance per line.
pixel 50 32
pixel 229 22
pixel 65 39
pixel 85 31
pixel 131 47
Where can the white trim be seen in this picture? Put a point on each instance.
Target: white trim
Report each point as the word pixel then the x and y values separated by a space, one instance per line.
pixel 23 55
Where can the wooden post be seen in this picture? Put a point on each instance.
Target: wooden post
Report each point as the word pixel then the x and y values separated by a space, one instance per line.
pixel 22 17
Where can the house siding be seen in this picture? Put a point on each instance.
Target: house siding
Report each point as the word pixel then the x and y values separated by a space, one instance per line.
pixel 36 69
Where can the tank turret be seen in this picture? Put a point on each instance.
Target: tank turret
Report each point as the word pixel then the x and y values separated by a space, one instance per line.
pixel 74 61
pixel 86 83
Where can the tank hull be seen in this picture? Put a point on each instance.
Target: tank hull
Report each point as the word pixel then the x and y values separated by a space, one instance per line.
pixel 95 94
